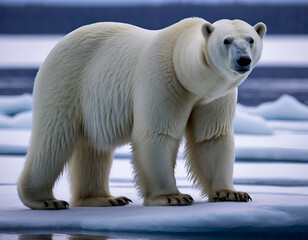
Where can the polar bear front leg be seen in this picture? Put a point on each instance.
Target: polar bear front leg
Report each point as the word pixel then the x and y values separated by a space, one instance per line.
pixel 210 164
pixel 154 161
pixel 210 149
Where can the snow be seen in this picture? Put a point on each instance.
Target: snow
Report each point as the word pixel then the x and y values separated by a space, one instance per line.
pixel 201 217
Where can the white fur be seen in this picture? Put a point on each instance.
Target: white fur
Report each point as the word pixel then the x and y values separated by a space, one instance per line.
pixel 107 84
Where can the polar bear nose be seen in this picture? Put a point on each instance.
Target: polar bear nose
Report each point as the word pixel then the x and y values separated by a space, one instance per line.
pixel 243 61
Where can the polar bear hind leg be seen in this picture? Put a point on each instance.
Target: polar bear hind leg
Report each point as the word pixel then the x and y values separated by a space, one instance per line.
pixel 89 171
pixel 46 158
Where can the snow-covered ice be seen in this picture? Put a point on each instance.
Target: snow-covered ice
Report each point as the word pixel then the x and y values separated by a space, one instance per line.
pixel 276 206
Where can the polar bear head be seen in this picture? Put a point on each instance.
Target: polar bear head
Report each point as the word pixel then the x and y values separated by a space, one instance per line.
pixel 233 46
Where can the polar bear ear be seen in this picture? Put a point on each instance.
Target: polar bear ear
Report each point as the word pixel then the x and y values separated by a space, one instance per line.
pixel 206 29
pixel 260 29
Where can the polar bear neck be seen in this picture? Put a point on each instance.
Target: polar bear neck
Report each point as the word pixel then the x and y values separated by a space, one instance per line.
pixel 196 73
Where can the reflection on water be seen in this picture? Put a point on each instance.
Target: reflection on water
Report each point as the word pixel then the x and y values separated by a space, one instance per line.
pixel 233 235
pixel 55 237
pixel 60 237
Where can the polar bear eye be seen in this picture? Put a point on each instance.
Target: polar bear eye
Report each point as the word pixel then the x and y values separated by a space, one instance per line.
pixel 228 41
pixel 251 41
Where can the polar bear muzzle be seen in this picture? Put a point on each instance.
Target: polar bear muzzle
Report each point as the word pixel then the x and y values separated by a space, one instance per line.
pixel 243 64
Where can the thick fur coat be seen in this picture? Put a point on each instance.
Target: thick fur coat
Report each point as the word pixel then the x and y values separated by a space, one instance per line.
pixel 107 84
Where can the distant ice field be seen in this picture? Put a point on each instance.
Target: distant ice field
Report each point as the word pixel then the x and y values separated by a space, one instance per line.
pixel 29 51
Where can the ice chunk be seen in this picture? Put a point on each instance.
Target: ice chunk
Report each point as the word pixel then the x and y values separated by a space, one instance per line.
pixel 11 105
pixel 5 121
pixel 249 124
pixel 285 108
pixel 21 120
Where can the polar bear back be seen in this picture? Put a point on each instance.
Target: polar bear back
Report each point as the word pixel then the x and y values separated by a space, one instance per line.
pixel 89 74
pixel 92 75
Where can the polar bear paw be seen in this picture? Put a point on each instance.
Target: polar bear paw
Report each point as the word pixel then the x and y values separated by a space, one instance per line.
pixel 51 204
pixel 231 196
pixel 170 200
pixel 102 202
pixel 55 205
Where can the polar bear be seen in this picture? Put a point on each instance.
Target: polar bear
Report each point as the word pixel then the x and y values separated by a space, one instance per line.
pixel 107 84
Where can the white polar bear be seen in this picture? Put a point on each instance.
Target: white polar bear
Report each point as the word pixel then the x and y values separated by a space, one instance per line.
pixel 107 84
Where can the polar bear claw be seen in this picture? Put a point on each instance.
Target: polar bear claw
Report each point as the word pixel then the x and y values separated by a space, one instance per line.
pixel 226 195
pixel 170 200
pixel 103 202
pixel 55 205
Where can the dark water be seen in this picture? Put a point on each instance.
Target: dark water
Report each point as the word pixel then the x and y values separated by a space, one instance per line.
pixel 257 90
pixel 44 19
